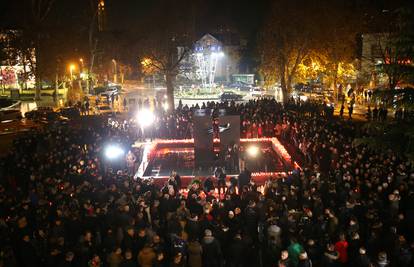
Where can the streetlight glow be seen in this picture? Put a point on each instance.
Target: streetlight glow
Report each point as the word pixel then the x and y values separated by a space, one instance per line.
pixel 71 69
pixel 145 117
pixel 253 151
pixel 113 151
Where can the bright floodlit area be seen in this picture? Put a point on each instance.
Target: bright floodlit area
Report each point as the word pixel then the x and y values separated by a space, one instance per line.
pixel 265 133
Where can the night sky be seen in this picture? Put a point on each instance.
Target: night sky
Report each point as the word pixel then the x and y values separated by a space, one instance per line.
pixel 244 16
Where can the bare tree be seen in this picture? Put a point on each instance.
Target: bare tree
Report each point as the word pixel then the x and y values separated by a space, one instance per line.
pixel 171 30
pixel 286 40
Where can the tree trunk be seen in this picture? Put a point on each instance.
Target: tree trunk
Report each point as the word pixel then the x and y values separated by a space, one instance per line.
pixel 283 85
pixel 24 72
pixel 170 90
pixel 335 80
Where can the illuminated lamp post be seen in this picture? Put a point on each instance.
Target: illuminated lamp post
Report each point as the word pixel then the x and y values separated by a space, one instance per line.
pixel 71 69
pixel 115 71
pixel 145 118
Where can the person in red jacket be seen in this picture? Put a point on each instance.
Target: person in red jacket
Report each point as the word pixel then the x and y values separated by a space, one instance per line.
pixel 342 248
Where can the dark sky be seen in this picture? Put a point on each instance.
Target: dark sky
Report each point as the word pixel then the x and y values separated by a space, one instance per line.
pixel 124 14
pixel 244 15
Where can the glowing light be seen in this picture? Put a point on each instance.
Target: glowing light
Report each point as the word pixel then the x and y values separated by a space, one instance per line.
pixel 165 106
pixel 146 62
pixel 145 117
pixel 253 151
pixel 113 151
pixel 150 151
pixel 72 67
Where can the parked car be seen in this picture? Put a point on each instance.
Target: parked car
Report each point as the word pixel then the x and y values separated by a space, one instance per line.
pixel 38 112
pixel 241 86
pixel 109 92
pixel 230 96
pixel 45 114
pixel 10 115
pixel 104 109
pixel 70 112
pixel 257 92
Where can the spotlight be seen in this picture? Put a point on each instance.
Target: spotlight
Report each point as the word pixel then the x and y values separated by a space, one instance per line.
pixel 145 117
pixel 252 151
pixel 113 151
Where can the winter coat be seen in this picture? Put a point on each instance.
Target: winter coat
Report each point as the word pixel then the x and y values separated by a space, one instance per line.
pixel 195 251
pixel 211 252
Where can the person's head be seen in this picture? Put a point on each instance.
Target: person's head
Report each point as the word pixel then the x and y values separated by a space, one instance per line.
pixel 130 231
pixel 156 239
pixel 362 251
pixel 303 255
pixel 330 247
pixel 208 233
pixel 231 214
pixel 284 255
pixel 141 232
pixel 69 256
pixel 237 211
pixel 160 256
pixel 128 254
pixel 26 238
pixel 382 256
pixel 87 236
pixel 118 251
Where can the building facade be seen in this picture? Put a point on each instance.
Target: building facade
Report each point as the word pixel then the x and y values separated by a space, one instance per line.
pixel 211 61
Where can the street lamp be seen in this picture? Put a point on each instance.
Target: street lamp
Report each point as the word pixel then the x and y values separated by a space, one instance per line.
pixel 71 69
pixel 115 70
pixel 113 152
pixel 145 118
pixel 253 151
pixel 81 61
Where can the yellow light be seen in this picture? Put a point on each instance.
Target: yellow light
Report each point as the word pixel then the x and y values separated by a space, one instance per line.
pixel 81 60
pixel 72 67
pixel 146 62
pixel 253 151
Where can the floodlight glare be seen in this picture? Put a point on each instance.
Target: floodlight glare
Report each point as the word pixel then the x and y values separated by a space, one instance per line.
pixel 253 151
pixel 145 117
pixel 113 151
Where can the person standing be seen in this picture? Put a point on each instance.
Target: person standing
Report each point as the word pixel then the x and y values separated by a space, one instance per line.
pixel 341 111
pixel 350 110
pixel 195 252
pixel 211 250
pixel 342 248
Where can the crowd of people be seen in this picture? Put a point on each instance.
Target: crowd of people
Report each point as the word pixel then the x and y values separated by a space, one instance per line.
pixel 63 204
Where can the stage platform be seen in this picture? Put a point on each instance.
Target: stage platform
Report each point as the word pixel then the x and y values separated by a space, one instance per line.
pixel 161 157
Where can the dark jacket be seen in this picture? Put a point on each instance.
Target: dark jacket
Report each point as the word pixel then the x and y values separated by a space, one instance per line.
pixel 211 252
